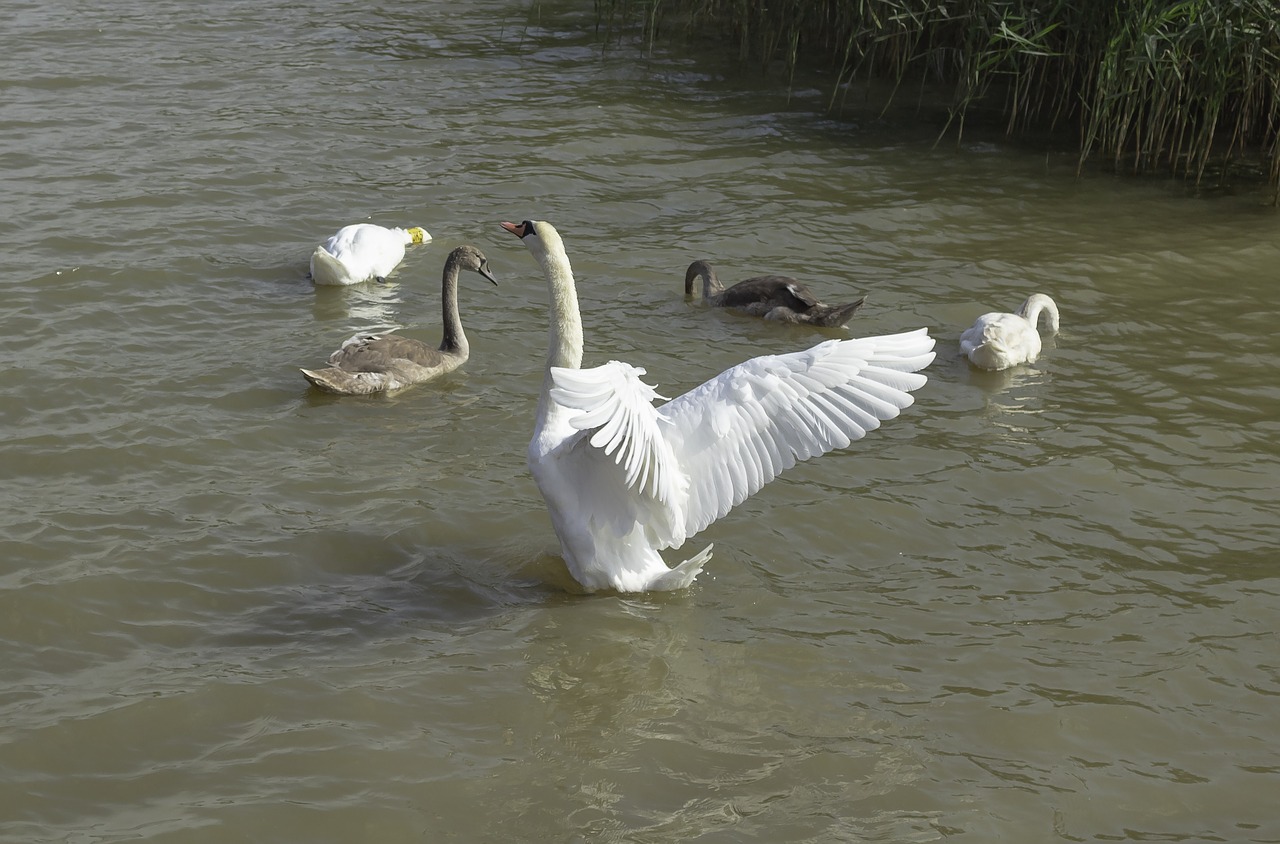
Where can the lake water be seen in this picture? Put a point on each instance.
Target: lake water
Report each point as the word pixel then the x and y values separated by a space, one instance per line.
pixel 1042 605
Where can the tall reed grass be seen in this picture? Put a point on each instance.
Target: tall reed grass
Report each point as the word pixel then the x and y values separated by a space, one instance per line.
pixel 1184 86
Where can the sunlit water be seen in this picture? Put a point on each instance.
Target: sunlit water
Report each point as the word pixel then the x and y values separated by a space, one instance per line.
pixel 1041 605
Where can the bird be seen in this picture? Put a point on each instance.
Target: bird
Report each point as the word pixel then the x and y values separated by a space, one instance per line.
pixel 1002 340
pixel 777 297
pixel 375 363
pixel 623 479
pixel 362 252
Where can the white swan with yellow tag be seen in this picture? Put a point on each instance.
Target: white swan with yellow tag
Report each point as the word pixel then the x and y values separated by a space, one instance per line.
pixel 362 252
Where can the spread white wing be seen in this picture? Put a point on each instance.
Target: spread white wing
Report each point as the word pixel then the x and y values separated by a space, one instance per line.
pixel 706 451
pixel 619 407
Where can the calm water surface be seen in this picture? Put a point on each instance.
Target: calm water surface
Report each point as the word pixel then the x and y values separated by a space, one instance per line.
pixel 1040 606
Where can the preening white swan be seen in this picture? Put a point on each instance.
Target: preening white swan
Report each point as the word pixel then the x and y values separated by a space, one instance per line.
pixel 777 297
pixel 373 363
pixel 1000 340
pixel 362 252
pixel 623 479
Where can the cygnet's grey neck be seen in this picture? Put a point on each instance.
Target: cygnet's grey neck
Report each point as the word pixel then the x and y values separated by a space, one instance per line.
pixel 455 339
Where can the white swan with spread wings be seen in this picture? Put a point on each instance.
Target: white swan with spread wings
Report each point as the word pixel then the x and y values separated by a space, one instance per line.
pixel 624 479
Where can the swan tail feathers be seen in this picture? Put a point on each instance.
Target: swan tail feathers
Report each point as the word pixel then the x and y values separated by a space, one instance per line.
pixel 683 575
pixel 834 316
pixel 326 269
pixel 343 383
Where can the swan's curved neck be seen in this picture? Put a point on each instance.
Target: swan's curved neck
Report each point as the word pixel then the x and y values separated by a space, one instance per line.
pixel 455 340
pixel 710 282
pixel 1037 304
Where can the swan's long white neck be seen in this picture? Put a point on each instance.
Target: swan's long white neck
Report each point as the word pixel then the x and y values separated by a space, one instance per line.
pixel 1036 304
pixel 564 345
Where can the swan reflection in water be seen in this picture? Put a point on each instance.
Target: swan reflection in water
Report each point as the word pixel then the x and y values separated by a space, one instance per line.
pixel 364 307
pixel 1015 400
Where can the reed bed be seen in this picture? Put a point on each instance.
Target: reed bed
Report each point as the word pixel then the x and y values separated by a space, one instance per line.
pixel 1190 87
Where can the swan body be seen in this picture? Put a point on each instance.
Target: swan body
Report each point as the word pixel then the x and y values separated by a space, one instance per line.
pixel 1001 340
pixel 770 296
pixel 375 363
pixel 624 479
pixel 362 252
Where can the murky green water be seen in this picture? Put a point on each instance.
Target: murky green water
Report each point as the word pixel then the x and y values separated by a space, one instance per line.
pixel 1040 606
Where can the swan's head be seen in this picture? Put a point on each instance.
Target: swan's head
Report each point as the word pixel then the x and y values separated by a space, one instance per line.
pixel 417 235
pixel 470 258
pixel 541 238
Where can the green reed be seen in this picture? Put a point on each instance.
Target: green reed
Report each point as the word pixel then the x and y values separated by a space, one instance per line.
pixel 1182 86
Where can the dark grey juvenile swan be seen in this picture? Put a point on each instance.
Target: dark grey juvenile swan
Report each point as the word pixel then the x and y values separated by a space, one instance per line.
pixel 375 363
pixel 770 296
